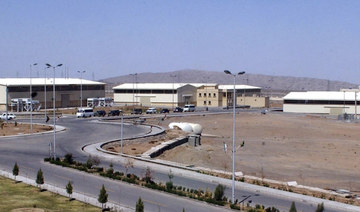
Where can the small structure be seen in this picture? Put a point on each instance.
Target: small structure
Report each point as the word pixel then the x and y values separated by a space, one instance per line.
pixel 194 130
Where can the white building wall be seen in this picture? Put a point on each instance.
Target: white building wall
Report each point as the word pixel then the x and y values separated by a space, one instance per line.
pixel 126 98
pixel 321 109
pixel 3 97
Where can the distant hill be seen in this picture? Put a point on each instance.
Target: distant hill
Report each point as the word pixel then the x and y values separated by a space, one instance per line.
pixel 279 85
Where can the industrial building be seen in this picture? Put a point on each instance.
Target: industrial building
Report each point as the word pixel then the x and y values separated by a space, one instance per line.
pixel 156 94
pixel 68 92
pixel 214 95
pixel 323 102
pixel 179 94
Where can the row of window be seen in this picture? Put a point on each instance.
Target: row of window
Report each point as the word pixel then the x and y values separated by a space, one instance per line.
pixel 57 88
pixel 145 91
pixel 214 95
pixel 320 102
pixel 208 103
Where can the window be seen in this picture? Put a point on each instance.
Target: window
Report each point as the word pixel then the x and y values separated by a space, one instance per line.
pixel 214 94
pixel 204 102
pixel 224 94
pixel 204 94
pixel 199 94
pixel 209 94
pixel 209 102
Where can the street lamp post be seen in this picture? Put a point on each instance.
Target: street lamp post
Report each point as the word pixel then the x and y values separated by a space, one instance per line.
pixel 54 102
pixel 173 90
pixel 81 99
pixel 233 146
pixel 31 102
pixel 45 92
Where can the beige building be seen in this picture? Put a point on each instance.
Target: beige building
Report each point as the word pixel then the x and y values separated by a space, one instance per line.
pixel 68 91
pixel 156 94
pixel 214 95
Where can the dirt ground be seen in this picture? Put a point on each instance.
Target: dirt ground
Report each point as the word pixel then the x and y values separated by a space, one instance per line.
pixel 312 150
pixel 138 146
pixel 18 129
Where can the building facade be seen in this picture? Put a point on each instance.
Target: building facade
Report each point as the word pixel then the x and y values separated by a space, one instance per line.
pixel 68 91
pixel 323 102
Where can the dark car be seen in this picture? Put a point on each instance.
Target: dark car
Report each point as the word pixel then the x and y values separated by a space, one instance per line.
pixel 100 113
pixel 178 110
pixel 114 113
pixel 136 111
pixel 164 110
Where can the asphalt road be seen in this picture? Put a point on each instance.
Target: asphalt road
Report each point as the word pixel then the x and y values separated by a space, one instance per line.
pixel 29 152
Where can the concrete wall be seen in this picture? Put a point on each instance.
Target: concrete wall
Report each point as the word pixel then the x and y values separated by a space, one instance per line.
pixel 74 97
pixel 253 101
pixel 3 98
pixel 321 109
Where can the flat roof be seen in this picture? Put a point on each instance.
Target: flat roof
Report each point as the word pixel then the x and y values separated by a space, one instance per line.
pixel 170 86
pixel 155 86
pixel 229 87
pixel 49 81
pixel 322 95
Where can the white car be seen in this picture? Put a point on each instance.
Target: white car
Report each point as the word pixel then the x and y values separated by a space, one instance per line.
pixel 151 110
pixel 9 116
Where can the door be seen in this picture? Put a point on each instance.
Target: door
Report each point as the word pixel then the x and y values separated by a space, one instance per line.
pixel 65 100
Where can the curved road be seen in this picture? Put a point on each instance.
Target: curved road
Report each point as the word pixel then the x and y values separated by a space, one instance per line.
pixel 29 152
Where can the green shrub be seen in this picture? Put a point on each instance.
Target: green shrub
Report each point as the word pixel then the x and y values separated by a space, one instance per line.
pixel 219 192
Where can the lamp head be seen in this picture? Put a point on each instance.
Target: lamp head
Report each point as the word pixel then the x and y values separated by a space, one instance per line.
pixel 59 65
pixel 34 64
pixel 227 72
pixel 48 65
pixel 241 73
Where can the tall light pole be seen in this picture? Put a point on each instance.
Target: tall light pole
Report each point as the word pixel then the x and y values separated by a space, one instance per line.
pixel 54 102
pixel 133 75
pixel 31 102
pixel 233 146
pixel 45 92
pixel 173 88
pixel 81 99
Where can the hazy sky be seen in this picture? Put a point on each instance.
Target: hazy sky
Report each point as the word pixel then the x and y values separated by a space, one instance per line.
pixel 110 38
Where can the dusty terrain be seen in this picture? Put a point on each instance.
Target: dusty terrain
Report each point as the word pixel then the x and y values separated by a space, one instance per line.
pixel 19 128
pixel 311 150
pixel 138 146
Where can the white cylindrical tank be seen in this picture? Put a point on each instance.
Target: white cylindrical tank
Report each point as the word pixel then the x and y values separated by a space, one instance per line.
pixel 187 127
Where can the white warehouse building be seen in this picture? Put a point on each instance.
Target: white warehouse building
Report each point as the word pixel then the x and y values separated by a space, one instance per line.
pixel 68 91
pixel 156 94
pixel 323 102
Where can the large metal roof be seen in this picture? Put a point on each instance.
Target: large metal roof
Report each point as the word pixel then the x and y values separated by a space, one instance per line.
pixel 170 86
pixel 49 81
pixel 229 87
pixel 155 86
pixel 322 95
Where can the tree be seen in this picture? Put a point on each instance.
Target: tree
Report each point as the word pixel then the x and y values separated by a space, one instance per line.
pixel 320 207
pixel 293 207
pixel 148 175
pixel 68 158
pixel 139 205
pixel 219 192
pixel 170 175
pixel 129 164
pixel 69 189
pixel 15 170
pixel 103 196
pixel 39 178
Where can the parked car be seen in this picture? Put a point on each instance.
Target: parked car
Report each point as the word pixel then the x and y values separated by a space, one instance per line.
pixel 100 113
pixel 189 108
pixel 164 110
pixel 151 110
pixel 178 110
pixel 85 112
pixel 114 113
pixel 9 116
pixel 136 111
